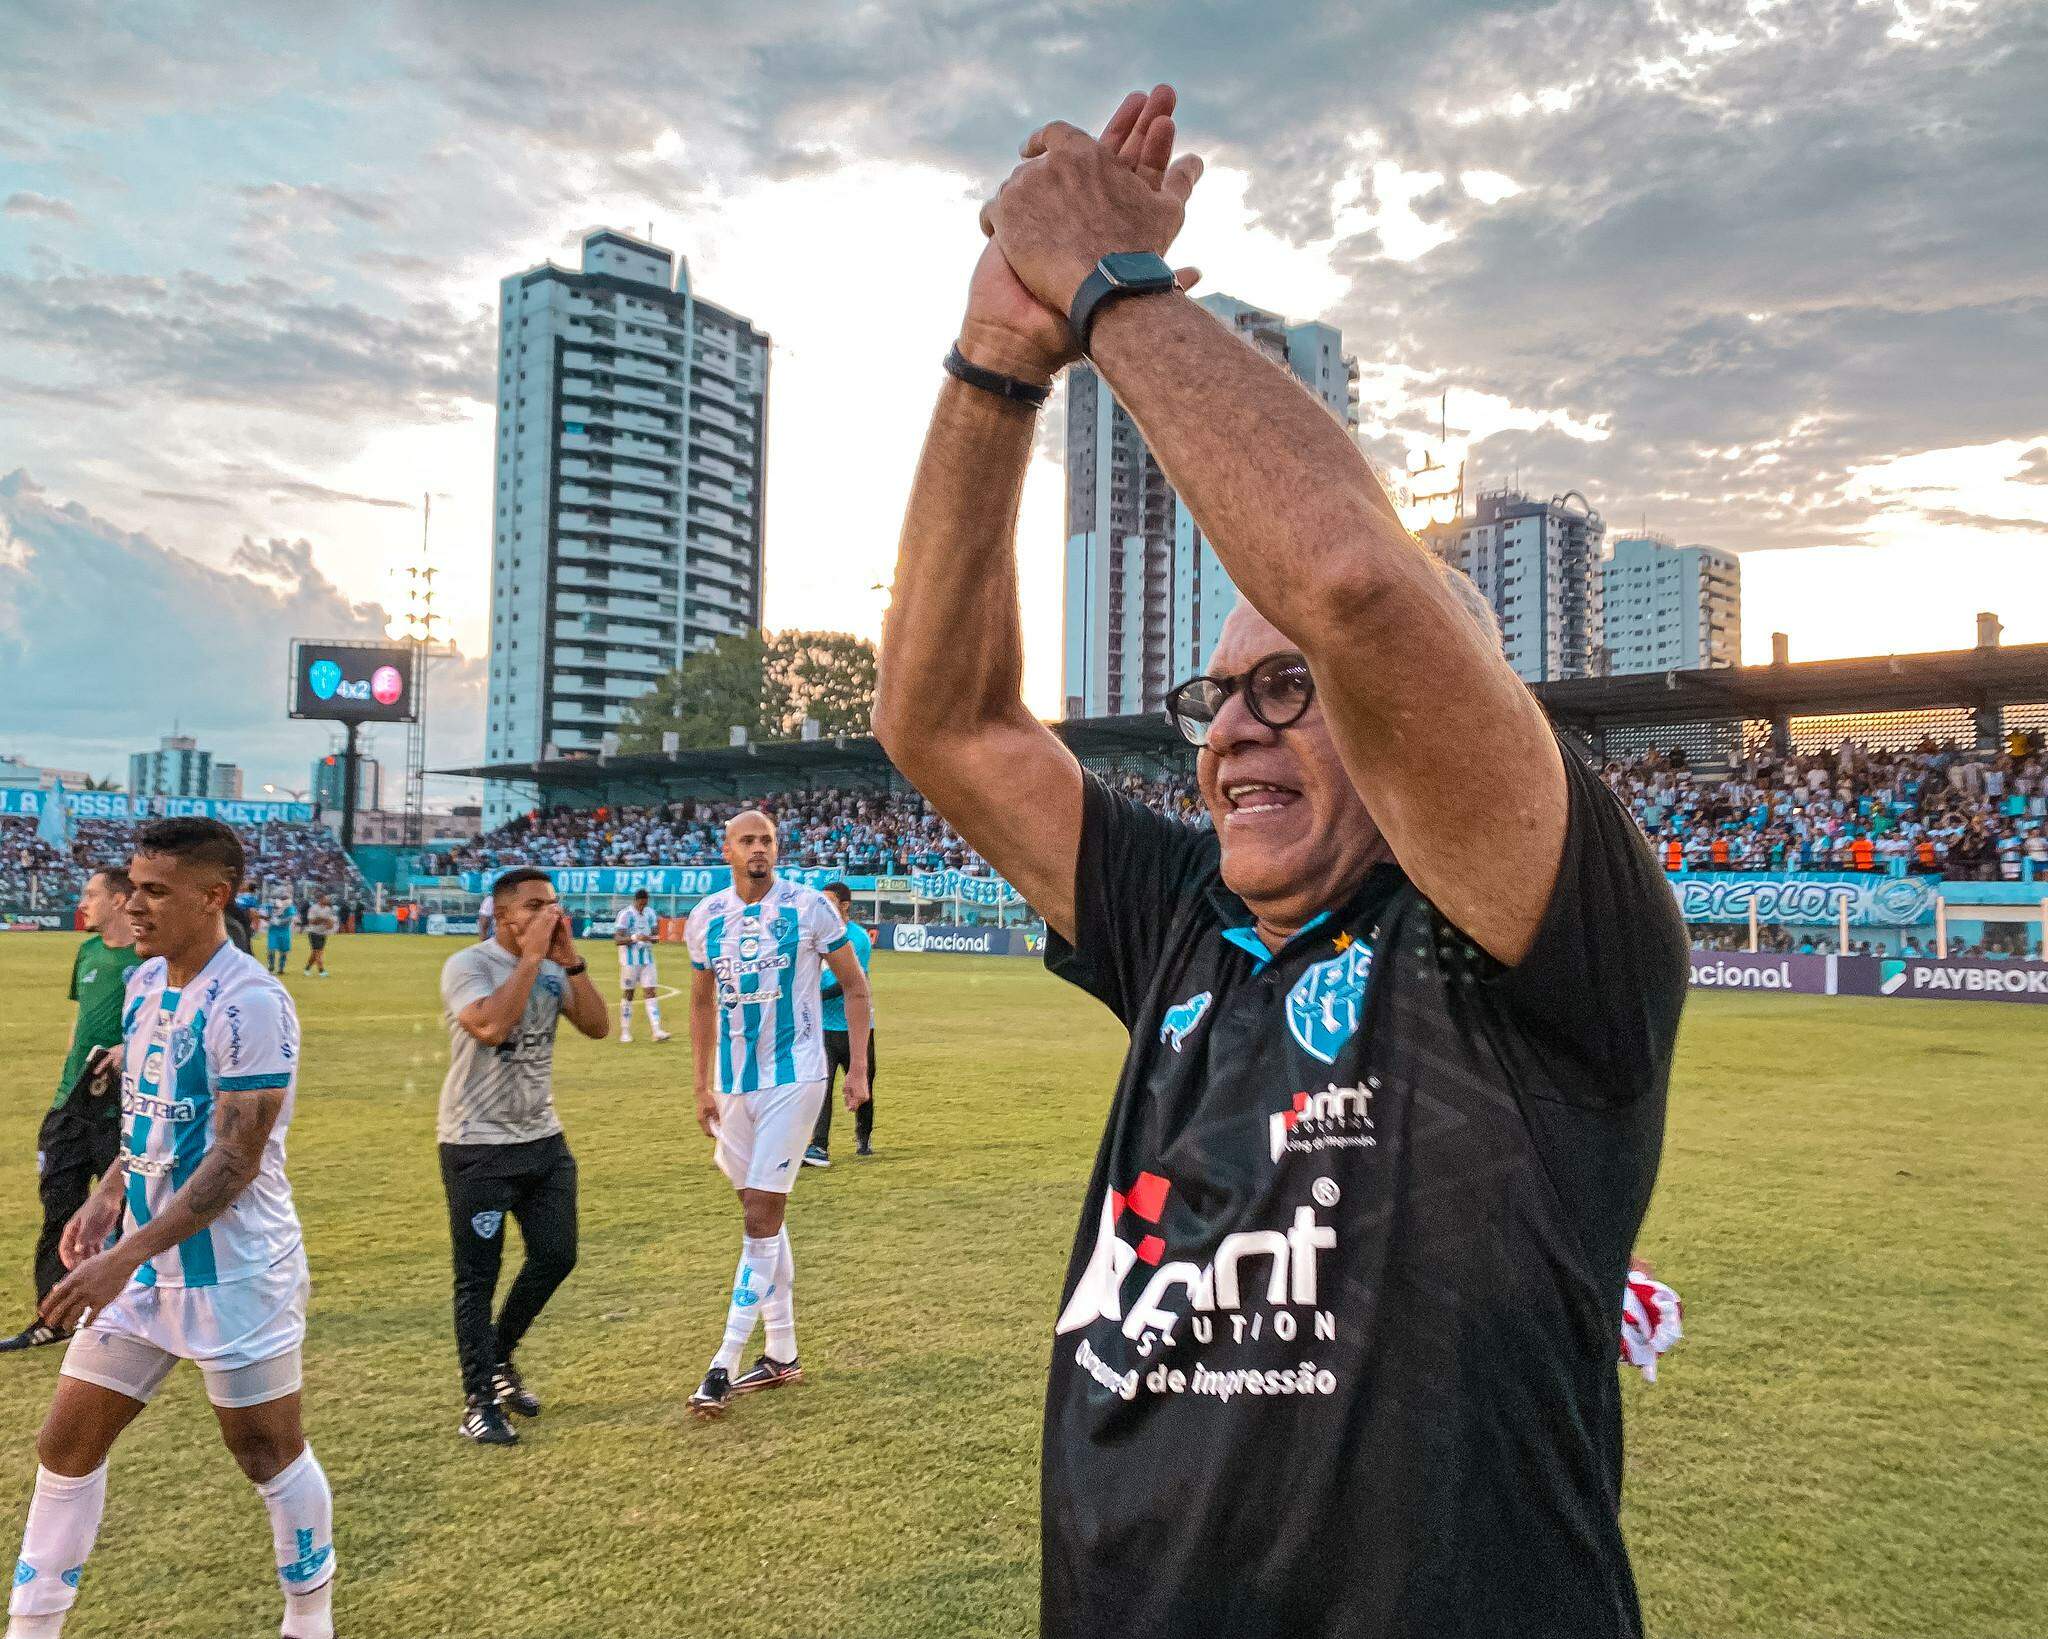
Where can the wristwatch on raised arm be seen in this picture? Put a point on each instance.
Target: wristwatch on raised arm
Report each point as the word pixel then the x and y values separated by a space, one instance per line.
pixel 1120 273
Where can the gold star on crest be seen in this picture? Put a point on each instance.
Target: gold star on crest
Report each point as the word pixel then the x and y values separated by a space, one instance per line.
pixel 1343 942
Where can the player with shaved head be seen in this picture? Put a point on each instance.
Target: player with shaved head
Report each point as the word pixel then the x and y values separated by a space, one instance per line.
pixel 757 1035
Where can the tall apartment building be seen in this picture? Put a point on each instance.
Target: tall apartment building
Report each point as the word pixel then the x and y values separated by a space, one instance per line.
pixel 224 782
pixel 1145 593
pixel 630 490
pixel 177 768
pixel 1539 564
pixel 1670 607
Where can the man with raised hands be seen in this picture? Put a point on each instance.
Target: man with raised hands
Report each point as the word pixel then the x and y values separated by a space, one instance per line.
pixel 1336 1354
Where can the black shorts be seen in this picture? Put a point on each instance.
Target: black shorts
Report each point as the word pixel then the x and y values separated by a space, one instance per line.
pixel 317 941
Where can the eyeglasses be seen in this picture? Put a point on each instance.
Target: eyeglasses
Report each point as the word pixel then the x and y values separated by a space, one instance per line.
pixel 1277 691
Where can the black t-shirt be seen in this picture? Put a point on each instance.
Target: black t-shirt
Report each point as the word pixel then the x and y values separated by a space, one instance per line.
pixel 1337 1347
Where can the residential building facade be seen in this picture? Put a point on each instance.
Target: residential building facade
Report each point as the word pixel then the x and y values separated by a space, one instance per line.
pixel 629 490
pixel 1145 594
pixel 1539 564
pixel 1670 607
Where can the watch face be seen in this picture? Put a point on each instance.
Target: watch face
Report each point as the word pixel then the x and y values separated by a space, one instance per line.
pixel 1136 267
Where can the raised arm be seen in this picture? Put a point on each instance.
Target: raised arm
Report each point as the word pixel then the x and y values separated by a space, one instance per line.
pixel 949 702
pixel 1451 754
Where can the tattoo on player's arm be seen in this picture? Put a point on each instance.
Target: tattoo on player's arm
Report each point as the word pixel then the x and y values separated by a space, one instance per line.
pixel 240 1130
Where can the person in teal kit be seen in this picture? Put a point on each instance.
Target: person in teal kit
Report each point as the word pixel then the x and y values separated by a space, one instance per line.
pixel 836 1054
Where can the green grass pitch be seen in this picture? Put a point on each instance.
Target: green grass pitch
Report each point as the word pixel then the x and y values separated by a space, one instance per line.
pixel 1853 1439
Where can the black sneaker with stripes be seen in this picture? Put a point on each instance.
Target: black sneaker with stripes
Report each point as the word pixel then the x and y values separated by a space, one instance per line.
pixel 35 1335
pixel 485 1424
pixel 511 1392
pixel 767 1374
pixel 713 1395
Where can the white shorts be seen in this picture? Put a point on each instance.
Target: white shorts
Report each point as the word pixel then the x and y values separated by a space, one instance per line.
pixel 636 974
pixel 244 1335
pixel 762 1135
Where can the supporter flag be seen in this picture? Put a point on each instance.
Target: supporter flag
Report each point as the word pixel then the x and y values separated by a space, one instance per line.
pixel 54 825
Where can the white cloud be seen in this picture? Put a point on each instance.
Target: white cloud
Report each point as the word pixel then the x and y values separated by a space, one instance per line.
pixel 107 639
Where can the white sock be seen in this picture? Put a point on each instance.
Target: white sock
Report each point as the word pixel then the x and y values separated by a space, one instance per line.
pixel 778 1314
pixel 302 1529
pixel 63 1519
pixel 626 1013
pixel 654 1013
pixel 752 1283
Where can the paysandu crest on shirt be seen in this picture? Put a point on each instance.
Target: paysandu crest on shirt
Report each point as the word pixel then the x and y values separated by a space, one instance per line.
pixel 1327 1003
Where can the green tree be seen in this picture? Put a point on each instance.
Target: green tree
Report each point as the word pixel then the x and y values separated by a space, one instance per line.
pixel 767 683
pixel 829 676
pixel 702 699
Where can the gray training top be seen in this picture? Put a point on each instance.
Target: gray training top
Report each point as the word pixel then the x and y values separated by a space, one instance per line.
pixel 503 1094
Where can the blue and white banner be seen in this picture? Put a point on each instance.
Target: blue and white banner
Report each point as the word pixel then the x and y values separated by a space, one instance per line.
pixel 969 890
pixel 1811 899
pixel 118 805
pixel 694 881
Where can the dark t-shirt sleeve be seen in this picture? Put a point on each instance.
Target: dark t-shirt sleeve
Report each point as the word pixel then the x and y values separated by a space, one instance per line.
pixel 1135 870
pixel 1599 992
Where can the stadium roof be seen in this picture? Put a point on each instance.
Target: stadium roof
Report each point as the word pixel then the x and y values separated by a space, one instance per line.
pixel 1974 678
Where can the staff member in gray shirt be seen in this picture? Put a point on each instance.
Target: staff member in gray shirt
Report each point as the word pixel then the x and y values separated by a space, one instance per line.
pixel 502 1149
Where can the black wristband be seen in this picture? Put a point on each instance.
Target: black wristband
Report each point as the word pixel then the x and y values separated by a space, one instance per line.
pixel 581 967
pixel 1009 387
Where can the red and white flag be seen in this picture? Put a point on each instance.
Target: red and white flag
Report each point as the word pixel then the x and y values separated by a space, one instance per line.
pixel 1650 1313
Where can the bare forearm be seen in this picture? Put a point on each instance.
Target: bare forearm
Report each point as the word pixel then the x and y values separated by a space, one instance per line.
pixel 859 1017
pixel 703 1030
pixel 953 644
pixel 228 1167
pixel 1286 498
pixel 492 1019
pixel 587 1011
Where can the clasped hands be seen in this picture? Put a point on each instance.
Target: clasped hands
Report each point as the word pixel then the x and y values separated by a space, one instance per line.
pixel 1073 200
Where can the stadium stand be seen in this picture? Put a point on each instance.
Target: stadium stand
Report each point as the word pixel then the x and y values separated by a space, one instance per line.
pixel 299 859
pixel 1936 810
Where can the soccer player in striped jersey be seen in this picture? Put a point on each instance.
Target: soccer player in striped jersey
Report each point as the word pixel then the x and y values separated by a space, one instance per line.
pixel 210 1265
pixel 755 950
pixel 634 931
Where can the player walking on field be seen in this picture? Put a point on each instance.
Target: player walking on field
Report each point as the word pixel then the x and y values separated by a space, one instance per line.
pixel 502 1150
pixel 210 1265
pixel 755 949
pixel 634 932
pixel 322 921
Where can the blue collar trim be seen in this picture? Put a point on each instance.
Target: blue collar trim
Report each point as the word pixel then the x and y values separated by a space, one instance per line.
pixel 1247 939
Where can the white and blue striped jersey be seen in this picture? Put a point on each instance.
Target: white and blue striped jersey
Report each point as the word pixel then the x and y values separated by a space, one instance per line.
pixel 231 1031
pixel 766 958
pixel 640 928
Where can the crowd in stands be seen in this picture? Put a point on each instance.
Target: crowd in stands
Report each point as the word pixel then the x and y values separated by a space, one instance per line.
pixel 297 858
pixel 863 833
pixel 1943 810
pixel 1938 810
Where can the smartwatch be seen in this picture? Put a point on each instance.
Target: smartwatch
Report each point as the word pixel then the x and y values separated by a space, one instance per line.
pixel 1120 273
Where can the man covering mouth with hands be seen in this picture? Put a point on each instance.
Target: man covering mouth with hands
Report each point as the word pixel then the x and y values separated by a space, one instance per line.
pixel 1336 1348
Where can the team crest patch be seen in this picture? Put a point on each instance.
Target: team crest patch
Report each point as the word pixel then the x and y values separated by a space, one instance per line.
pixel 487 1224
pixel 184 1044
pixel 1328 1001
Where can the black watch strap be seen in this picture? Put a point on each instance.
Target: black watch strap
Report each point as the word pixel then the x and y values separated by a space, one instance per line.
pixel 1143 275
pixel 1026 393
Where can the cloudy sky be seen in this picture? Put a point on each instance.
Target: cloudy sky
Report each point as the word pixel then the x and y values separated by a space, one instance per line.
pixel 1772 276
